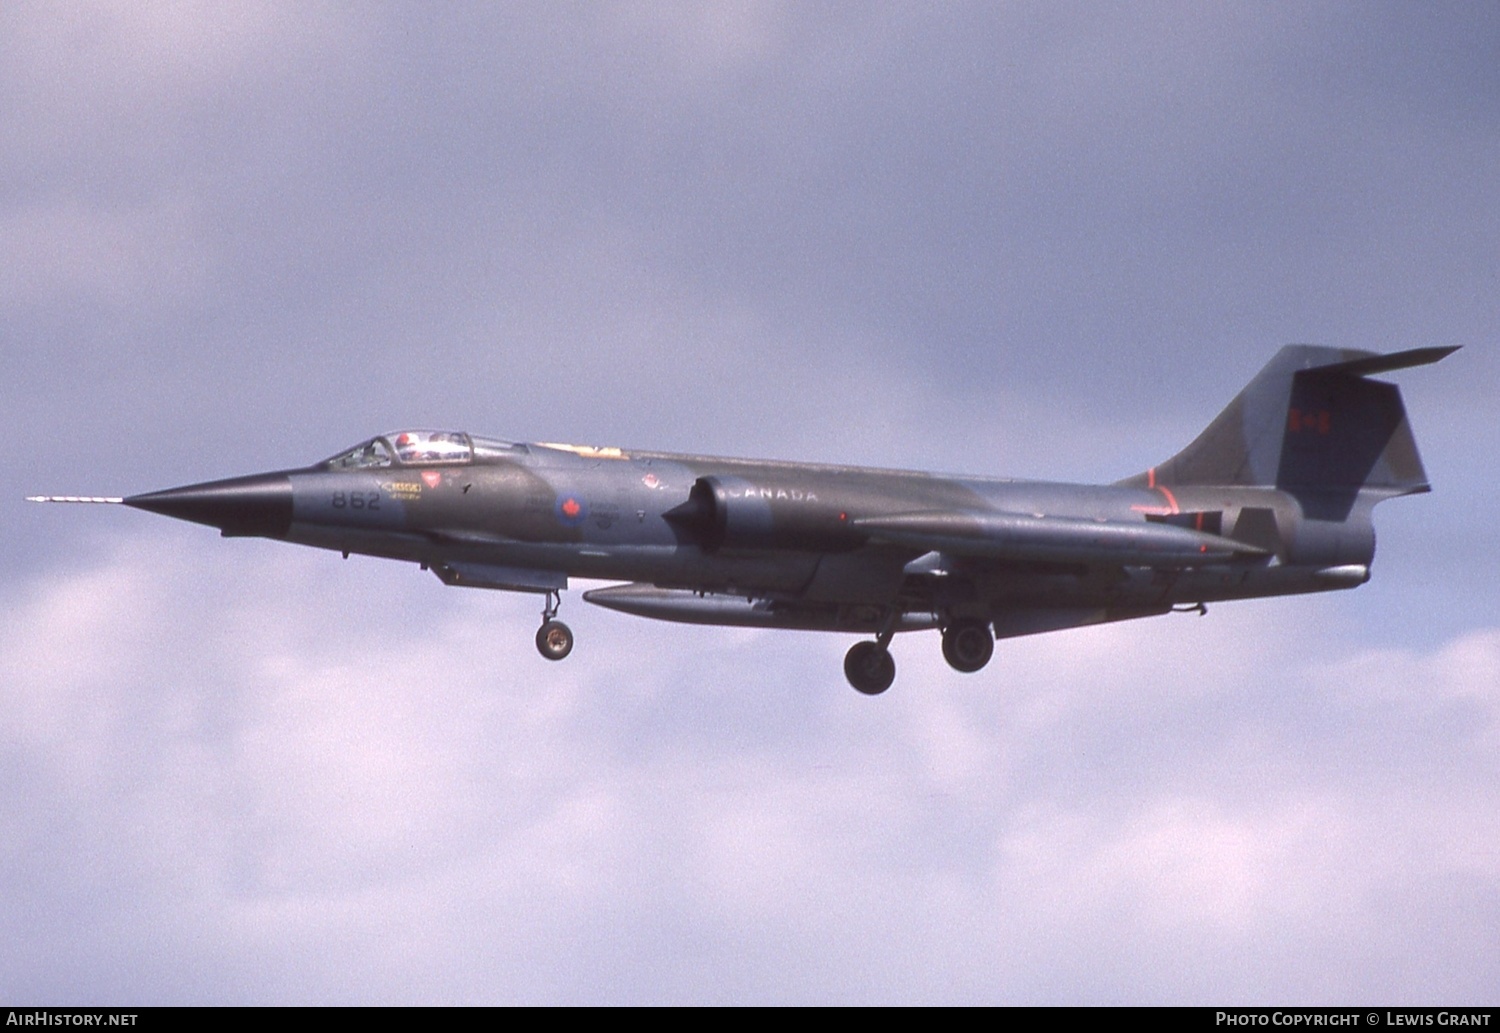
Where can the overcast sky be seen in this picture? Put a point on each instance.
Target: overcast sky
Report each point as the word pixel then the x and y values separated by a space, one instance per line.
pixel 1035 240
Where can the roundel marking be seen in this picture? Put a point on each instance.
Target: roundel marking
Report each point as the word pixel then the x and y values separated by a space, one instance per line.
pixel 571 510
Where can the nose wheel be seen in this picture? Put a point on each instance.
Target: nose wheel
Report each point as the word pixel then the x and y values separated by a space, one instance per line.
pixel 554 639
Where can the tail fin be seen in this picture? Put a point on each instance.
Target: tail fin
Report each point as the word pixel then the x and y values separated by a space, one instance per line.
pixel 1312 425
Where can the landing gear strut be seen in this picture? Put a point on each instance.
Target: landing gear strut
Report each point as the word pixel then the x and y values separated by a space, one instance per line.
pixel 968 645
pixel 868 665
pixel 554 639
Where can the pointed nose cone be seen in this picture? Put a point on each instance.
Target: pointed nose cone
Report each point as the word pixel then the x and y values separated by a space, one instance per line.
pixel 259 505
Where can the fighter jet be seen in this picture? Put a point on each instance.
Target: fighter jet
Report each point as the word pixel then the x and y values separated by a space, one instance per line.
pixel 1275 497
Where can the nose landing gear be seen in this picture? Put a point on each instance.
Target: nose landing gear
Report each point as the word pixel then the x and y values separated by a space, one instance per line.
pixel 554 639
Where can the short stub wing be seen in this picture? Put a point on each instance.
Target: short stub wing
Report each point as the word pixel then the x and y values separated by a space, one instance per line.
pixel 1024 538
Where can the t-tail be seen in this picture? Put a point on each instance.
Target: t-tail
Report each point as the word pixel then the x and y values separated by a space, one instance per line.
pixel 1320 440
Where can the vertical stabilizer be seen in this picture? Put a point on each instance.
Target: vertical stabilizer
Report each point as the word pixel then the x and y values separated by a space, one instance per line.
pixel 1311 424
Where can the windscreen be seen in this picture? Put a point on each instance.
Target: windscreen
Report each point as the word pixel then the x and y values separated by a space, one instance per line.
pixel 372 453
pixel 407 448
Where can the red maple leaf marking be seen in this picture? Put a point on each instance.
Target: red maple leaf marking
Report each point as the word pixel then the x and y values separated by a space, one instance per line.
pixel 570 508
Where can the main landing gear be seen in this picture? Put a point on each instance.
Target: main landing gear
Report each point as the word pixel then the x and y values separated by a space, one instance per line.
pixel 554 639
pixel 868 665
pixel 968 645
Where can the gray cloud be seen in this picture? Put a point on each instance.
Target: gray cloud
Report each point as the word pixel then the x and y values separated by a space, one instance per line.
pixel 247 780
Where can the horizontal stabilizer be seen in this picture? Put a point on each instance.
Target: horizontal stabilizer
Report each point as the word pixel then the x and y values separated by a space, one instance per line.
pixel 1386 363
pixel 1031 539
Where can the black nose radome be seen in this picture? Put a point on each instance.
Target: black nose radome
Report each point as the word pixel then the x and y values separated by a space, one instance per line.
pixel 259 506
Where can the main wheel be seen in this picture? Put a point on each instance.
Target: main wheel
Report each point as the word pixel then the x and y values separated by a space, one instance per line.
pixel 869 667
pixel 554 640
pixel 968 645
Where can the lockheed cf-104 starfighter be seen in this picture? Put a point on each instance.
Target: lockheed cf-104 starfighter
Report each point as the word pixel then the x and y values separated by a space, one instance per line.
pixel 1275 497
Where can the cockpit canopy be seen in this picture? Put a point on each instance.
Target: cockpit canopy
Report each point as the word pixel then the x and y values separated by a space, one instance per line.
pixel 420 448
